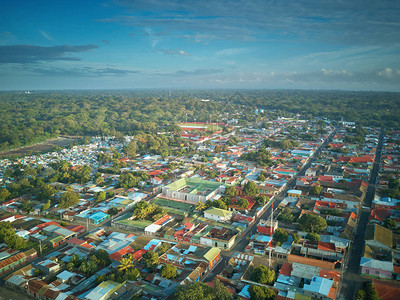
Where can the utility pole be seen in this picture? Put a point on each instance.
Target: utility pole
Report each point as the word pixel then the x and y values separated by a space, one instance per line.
pixel 270 242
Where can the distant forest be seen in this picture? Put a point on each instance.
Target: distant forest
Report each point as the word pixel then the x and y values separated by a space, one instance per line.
pixel 30 118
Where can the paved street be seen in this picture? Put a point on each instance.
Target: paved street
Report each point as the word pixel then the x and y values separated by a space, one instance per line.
pixel 352 278
pixel 244 240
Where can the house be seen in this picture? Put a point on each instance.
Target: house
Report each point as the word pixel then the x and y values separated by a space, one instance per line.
pixel 104 290
pixel 376 268
pixel 267 227
pixel 320 288
pixel 294 193
pixel 378 236
pixel 218 214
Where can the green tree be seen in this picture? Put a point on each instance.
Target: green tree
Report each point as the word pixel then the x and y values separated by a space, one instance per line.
pixel 312 223
pixel 68 199
pixel 46 206
pixel 250 189
pixel 316 190
pixel 390 224
pixel 194 291
pixel 261 199
pixel 230 191
pixel 168 271
pixel 150 260
pixel 220 291
pixel 125 264
pixel 280 235
pixel 100 196
pixel 4 194
pixel 112 211
pixel 261 293
pixel 312 236
pixel 263 275
pixel 201 206
pixel 296 237
pixel 242 202
pixel 261 177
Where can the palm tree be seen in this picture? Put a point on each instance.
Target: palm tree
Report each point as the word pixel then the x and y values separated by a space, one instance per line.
pixel 200 206
pixel 125 264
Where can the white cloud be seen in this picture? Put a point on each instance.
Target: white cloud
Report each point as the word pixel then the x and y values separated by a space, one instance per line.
pixel 387 72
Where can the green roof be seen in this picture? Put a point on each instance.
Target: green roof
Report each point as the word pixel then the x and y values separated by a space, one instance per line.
pixel 212 253
pixel 218 212
pixel 194 185
pixel 55 239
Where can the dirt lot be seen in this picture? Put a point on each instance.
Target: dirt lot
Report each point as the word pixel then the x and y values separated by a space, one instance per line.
pixel 62 141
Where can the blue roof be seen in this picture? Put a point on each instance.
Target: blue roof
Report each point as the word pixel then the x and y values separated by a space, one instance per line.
pixel 98 216
pixel 319 285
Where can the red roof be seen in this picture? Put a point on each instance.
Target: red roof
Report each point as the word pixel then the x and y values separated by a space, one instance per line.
pixel 325 178
pixel 138 254
pixel 387 290
pixel 162 220
pixel 326 246
pixel 75 228
pixel 119 254
pixel 286 269
pixel 331 274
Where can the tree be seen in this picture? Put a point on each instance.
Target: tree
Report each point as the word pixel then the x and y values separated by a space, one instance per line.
pixel 46 206
pixel 390 224
pixel 230 191
pixel 201 206
pixel 242 202
pixel 100 196
pixel 69 199
pixel 263 275
pixel 130 150
pixel 316 190
pixel 220 291
pixel 261 199
pixel 286 215
pixel 150 259
pixel 250 189
pixel 125 264
pixel 112 211
pixel 4 194
pixel 312 223
pixel 281 235
pixel 219 204
pixel 194 291
pixel 168 271
pixel 261 293
pixel 261 177
pixel 127 180
pixel 312 236
pixel 296 237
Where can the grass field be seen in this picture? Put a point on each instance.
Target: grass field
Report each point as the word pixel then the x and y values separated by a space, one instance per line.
pixel 166 203
pixel 209 126
pixel 136 223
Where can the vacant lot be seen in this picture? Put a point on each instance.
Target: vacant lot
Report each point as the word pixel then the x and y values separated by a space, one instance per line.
pixel 45 146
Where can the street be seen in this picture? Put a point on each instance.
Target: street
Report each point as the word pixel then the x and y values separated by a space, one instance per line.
pixel 352 278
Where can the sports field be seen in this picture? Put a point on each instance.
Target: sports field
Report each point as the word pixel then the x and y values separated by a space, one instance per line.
pixel 135 223
pixel 174 205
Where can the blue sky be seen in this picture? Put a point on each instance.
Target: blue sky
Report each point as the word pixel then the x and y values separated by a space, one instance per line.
pixel 93 44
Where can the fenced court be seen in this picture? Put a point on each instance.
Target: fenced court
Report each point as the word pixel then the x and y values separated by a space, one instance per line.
pixel 174 205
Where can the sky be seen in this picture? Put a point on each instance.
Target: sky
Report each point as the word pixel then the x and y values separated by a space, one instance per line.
pixel 280 44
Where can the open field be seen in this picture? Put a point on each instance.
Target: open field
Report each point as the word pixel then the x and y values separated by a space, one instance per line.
pixel 48 145
pixel 174 205
pixel 136 223
pixel 212 127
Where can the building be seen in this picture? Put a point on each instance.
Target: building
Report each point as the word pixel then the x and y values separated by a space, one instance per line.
pixel 376 268
pixel 218 214
pixel 104 290
pixel 192 190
